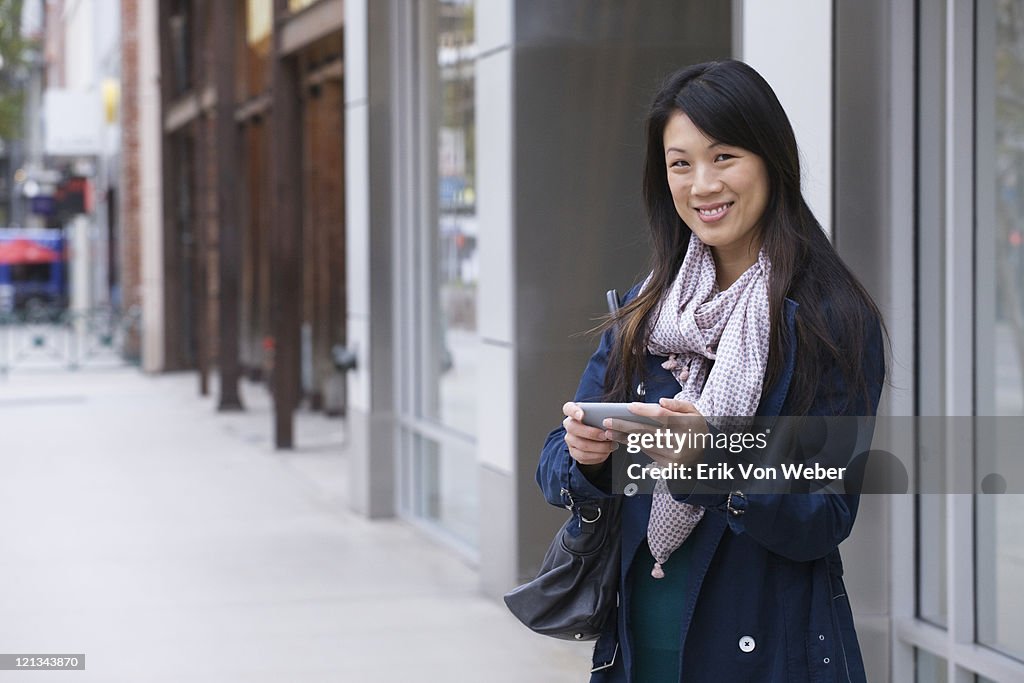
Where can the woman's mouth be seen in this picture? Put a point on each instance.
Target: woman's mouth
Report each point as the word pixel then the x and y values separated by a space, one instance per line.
pixel 714 212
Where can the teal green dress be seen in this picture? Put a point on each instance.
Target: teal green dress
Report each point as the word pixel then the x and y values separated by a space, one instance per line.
pixel 656 614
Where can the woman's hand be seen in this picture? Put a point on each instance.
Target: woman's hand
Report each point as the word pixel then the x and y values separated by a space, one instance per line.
pixel 670 441
pixel 587 445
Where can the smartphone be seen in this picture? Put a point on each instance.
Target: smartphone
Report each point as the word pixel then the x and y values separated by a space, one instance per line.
pixel 594 414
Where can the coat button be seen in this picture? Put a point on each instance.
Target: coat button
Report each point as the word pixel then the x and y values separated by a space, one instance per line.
pixel 747 644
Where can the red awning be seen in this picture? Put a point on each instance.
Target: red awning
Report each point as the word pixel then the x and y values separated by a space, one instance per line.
pixel 25 251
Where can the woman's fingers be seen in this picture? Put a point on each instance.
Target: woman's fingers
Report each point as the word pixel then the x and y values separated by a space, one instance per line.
pixel 589 452
pixel 679 406
pixel 648 409
pixel 585 458
pixel 672 413
pixel 591 445
pixel 587 445
pixel 618 437
pixel 666 407
pixel 615 425
pixel 577 428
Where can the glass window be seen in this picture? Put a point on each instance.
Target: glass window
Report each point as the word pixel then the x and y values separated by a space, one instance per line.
pixel 452 397
pixel 446 490
pixel 931 556
pixel 929 668
pixel 441 354
pixel 999 563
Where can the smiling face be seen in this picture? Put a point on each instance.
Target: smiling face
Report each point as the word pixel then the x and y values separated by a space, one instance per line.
pixel 720 191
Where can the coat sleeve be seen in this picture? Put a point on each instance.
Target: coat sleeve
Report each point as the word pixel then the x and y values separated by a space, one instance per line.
pixel 808 526
pixel 558 475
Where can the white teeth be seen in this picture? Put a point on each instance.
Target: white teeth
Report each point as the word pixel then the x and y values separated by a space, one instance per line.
pixel 714 212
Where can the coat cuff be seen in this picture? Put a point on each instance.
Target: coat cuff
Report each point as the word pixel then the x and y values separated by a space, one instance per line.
pixel 584 487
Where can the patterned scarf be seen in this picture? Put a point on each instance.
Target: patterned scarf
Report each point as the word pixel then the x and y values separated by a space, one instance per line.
pixel 695 325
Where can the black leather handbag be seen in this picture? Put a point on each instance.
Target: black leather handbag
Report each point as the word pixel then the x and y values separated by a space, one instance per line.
pixel 576 591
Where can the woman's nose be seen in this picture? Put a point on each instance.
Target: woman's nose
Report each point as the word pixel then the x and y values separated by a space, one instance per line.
pixel 705 181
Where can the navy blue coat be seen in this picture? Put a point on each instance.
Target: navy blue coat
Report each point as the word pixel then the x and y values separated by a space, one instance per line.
pixel 773 574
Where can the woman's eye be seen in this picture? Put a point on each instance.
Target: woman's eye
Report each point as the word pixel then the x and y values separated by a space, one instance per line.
pixel 679 163
pixel 724 157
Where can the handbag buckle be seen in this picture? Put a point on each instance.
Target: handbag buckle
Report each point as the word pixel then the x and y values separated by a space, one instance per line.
pixel 591 521
pixel 578 510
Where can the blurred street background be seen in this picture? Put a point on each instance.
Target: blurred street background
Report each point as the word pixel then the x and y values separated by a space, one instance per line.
pixel 291 292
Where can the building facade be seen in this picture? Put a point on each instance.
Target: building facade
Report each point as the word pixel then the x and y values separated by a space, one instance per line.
pixel 239 262
pixel 492 155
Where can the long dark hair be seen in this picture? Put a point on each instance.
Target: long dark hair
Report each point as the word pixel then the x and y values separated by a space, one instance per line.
pixel 731 103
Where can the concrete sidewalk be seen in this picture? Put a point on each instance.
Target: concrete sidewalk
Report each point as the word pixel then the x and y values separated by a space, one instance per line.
pixel 171 543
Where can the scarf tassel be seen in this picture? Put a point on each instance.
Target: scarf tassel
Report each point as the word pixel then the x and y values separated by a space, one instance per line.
pixel 679 368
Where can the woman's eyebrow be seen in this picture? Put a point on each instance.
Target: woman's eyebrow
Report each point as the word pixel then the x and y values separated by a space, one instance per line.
pixel 683 151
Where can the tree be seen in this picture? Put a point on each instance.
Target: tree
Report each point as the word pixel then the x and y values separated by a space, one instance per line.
pixel 13 69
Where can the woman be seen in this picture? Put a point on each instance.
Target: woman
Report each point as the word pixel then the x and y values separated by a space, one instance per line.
pixel 748 311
